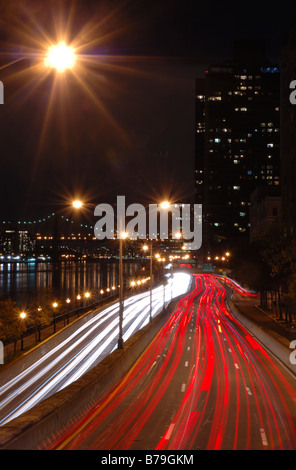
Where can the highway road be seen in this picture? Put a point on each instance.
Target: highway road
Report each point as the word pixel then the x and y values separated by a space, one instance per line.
pixel 93 340
pixel 203 383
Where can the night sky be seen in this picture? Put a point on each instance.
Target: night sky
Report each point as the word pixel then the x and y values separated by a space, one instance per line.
pixel 131 131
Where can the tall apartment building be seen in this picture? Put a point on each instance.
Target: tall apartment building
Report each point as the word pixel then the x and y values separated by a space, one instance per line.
pixel 13 241
pixel 237 140
pixel 288 135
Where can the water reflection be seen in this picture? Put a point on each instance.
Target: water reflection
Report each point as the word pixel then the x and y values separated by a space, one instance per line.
pixel 23 280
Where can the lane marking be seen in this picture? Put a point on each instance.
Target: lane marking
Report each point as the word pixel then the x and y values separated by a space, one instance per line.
pixel 236 365
pixel 186 364
pixel 169 431
pixel 263 437
pixel 183 387
pixel 249 391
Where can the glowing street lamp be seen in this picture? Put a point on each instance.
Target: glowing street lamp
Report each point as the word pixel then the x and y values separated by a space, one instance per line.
pixel 61 57
pixel 165 204
pixel 22 316
pixel 145 248
pixel 77 204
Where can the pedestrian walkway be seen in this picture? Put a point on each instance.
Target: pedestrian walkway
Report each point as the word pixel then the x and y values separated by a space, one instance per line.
pixel 12 352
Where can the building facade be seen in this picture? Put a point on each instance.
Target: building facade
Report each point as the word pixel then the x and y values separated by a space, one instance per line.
pixel 265 211
pixel 288 136
pixel 237 141
pixel 13 241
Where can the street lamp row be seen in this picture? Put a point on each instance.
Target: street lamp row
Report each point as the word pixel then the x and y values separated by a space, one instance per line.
pixel 78 204
pixel 222 258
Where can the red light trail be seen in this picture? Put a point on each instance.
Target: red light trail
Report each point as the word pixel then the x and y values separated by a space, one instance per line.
pixel 203 383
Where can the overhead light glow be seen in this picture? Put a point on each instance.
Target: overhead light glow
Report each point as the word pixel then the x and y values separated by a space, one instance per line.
pixel 77 204
pixel 61 57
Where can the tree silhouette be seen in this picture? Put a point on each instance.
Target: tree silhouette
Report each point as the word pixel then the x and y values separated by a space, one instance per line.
pixel 11 324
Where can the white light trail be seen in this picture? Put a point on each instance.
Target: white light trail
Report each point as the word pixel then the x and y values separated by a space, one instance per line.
pixel 84 348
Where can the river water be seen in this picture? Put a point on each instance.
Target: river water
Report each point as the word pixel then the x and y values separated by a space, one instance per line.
pixel 22 281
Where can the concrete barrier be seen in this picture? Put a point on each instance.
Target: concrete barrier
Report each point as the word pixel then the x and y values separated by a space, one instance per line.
pixel 278 347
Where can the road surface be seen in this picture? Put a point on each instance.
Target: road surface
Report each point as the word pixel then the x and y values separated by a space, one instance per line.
pixel 93 340
pixel 203 383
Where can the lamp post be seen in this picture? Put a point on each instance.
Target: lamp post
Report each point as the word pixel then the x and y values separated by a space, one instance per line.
pixel 77 204
pixel 122 236
pixel 163 261
pixel 39 309
pixel 54 305
pixel 22 316
pixel 151 277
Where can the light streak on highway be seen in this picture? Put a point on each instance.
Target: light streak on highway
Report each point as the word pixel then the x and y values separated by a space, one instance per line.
pixel 83 349
pixel 204 382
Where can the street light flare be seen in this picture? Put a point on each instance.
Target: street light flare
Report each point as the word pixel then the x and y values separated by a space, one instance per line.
pixel 77 204
pixel 61 57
